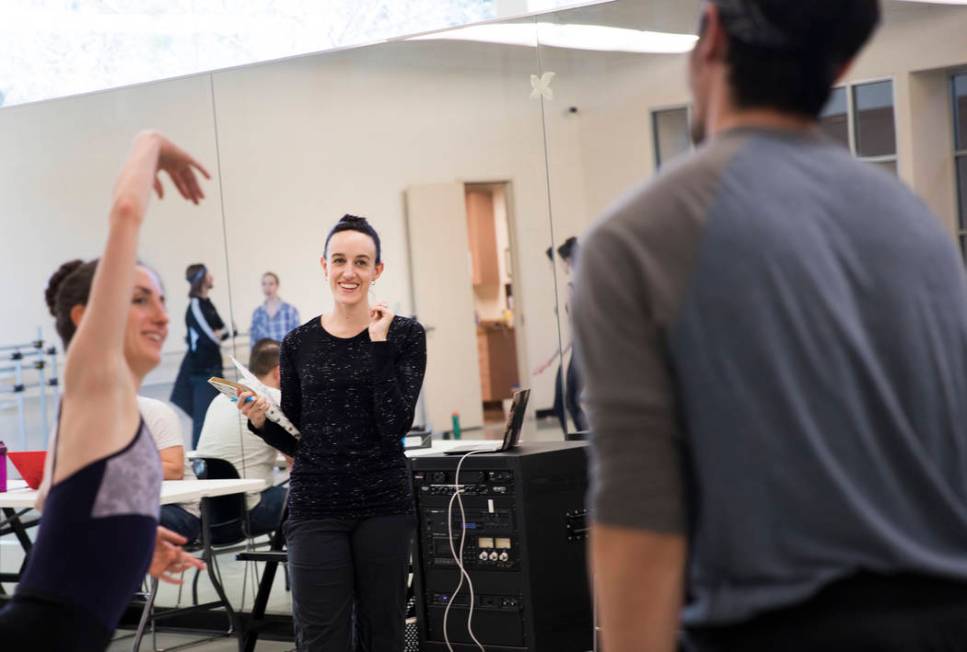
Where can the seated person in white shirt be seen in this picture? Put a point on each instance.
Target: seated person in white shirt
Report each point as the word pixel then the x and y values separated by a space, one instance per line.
pixel 225 435
pixel 165 428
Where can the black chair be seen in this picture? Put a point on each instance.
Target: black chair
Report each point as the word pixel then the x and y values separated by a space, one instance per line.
pixel 275 555
pixel 223 525
pixel 225 515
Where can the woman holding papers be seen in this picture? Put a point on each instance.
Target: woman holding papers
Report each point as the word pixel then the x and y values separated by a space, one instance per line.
pixel 100 523
pixel 350 382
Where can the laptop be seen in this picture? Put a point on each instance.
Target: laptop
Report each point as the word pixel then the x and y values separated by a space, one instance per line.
pixel 515 421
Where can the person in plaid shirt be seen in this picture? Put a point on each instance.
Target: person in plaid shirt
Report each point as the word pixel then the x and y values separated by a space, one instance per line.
pixel 274 318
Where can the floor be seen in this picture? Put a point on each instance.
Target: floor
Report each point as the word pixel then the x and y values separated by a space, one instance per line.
pixel 166 641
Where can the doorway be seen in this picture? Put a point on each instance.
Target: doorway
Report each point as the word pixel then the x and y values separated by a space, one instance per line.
pixel 466 292
pixel 492 277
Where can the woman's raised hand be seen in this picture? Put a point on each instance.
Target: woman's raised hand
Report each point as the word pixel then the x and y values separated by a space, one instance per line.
pixel 380 318
pixel 180 166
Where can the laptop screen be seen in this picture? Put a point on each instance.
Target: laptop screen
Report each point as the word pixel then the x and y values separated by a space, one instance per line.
pixel 515 419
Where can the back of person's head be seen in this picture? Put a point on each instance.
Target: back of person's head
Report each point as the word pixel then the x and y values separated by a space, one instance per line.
pixel 264 357
pixel 354 223
pixel 568 249
pixel 68 287
pixel 787 55
pixel 195 274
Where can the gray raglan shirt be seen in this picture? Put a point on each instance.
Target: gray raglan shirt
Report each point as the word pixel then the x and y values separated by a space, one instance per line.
pixel 774 340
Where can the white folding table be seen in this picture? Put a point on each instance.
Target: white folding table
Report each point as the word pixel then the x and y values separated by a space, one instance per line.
pixel 19 499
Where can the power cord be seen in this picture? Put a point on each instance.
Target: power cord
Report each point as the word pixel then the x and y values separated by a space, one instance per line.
pixel 457 491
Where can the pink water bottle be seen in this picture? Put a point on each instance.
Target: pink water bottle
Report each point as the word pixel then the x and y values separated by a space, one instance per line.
pixel 3 467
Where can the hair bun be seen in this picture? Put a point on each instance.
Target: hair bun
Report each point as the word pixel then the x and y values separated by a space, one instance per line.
pixel 57 280
pixel 354 219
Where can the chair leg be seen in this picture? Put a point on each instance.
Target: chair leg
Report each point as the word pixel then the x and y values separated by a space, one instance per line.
pixel 194 589
pixel 181 587
pixel 148 607
pixel 215 575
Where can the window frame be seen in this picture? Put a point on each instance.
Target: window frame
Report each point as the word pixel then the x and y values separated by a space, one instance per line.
pixel 960 192
pixel 655 144
pixel 851 120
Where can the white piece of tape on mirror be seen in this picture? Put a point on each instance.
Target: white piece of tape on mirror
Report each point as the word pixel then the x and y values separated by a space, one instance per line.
pixel 542 86
pixel 274 413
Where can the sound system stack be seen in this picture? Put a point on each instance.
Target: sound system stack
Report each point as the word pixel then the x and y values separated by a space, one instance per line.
pixel 526 530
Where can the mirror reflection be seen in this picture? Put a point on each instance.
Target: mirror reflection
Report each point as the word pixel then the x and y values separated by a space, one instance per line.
pixel 59 160
pixel 479 156
pixel 439 144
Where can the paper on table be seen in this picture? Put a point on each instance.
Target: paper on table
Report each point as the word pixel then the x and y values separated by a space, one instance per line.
pixel 274 413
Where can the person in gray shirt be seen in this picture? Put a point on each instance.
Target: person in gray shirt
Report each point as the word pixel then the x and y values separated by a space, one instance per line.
pixel 774 343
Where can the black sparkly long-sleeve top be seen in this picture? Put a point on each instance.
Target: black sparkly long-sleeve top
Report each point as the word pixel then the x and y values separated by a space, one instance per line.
pixel 353 400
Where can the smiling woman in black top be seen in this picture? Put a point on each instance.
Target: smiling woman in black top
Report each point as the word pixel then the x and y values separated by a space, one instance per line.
pixel 350 382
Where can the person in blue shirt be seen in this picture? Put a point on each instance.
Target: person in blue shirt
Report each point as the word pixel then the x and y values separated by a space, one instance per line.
pixel 274 318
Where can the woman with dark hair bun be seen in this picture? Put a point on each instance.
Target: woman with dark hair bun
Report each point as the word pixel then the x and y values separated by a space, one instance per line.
pixel 205 331
pixel 99 533
pixel 350 381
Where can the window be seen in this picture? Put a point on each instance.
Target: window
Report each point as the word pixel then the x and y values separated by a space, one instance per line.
pixel 958 89
pixel 672 134
pixel 862 118
pixel 834 119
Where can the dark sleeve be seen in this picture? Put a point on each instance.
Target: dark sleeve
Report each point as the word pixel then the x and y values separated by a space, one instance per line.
pixel 274 434
pixel 212 316
pixel 398 368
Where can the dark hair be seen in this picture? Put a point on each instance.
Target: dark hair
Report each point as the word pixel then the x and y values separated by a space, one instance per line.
pixel 264 356
pixel 354 223
pixel 195 274
pixel 69 286
pixel 273 275
pixel 569 249
pixel 787 55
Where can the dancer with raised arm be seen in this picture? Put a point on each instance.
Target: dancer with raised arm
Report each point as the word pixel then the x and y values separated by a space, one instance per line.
pixel 99 534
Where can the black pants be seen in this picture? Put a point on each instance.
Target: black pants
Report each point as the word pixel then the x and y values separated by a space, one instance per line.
pixel 863 613
pixel 346 570
pixel 180 520
pixel 41 625
pixel 569 400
